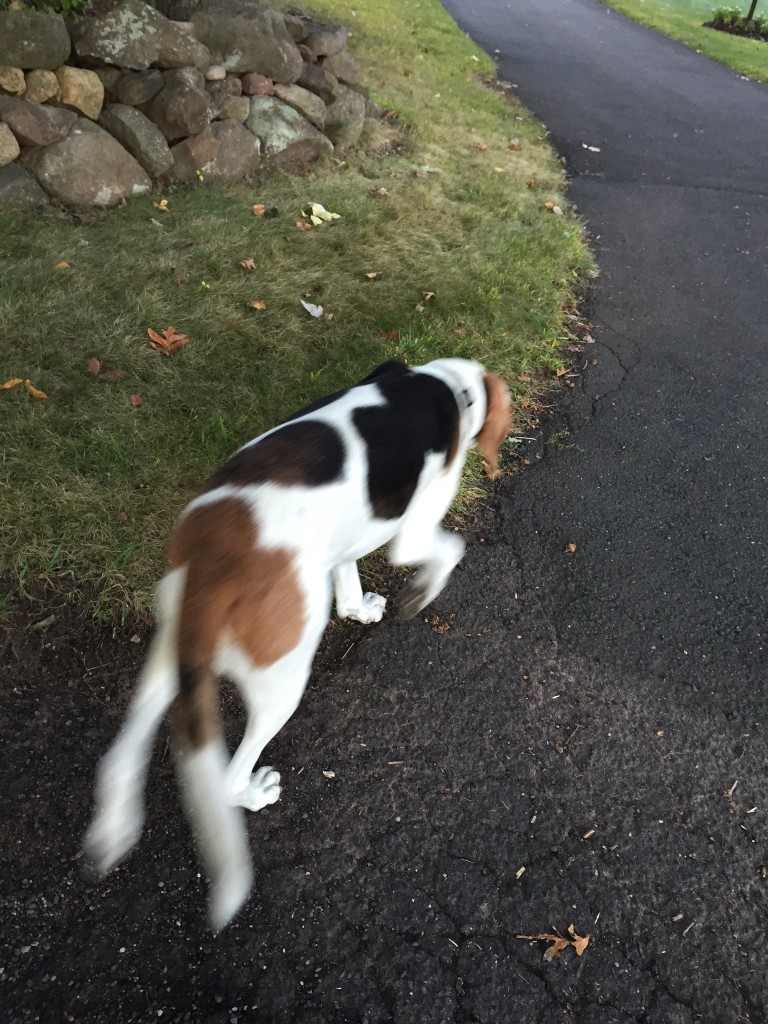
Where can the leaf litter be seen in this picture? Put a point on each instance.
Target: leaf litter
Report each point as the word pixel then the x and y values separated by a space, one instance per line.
pixel 167 341
pixel 559 942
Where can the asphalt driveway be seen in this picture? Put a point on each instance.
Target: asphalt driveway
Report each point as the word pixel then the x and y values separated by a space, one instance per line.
pixel 567 737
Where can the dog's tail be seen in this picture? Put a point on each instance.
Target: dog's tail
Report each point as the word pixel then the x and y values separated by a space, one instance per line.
pixel 201 752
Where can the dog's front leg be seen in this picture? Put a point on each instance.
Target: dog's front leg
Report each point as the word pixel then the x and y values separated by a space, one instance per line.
pixel 438 552
pixel 351 602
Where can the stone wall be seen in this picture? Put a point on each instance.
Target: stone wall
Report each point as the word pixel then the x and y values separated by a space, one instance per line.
pixel 97 112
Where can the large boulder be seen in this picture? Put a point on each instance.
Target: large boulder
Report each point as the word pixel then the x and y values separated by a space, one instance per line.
pixel 19 188
pixel 242 36
pixel 287 140
pixel 138 87
pixel 136 133
pixel 344 67
pixel 42 85
pixel 225 152
pixel 9 147
pixel 320 81
pixel 181 107
pixel 324 40
pixel 12 81
pixel 81 89
pixel 88 168
pixel 135 36
pixel 34 124
pixel 306 103
pixel 29 39
pixel 344 119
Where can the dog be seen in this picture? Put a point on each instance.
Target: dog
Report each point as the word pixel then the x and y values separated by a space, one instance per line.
pixel 253 561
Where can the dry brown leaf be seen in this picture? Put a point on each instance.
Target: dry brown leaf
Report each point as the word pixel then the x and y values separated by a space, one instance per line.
pixel 481 147
pixel 570 548
pixel 579 942
pixel 558 943
pixel 514 144
pixel 248 264
pixel 34 392
pixel 390 335
pixel 428 296
pixel 257 304
pixel 94 366
pixel 530 183
pixel 112 376
pixel 63 265
pixel 523 378
pixel 12 383
pixel 136 401
pixel 303 225
pixel 561 372
pixel 259 209
pixel 168 341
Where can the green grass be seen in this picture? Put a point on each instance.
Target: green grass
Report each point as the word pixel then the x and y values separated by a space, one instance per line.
pixel 89 484
pixel 683 20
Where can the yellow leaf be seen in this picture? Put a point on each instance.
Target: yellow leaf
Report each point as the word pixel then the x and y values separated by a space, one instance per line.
pixel 62 266
pixel 317 221
pixel 318 210
pixel 257 304
pixel 33 392
pixel 549 205
pixel 162 205
pixel 12 383
pixel 499 170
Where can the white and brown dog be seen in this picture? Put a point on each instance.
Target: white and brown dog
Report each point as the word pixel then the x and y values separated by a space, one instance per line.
pixel 248 591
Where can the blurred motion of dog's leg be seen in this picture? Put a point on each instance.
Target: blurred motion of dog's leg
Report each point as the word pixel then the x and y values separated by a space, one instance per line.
pixel 119 815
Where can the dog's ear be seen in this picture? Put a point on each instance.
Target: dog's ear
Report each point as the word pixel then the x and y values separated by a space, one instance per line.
pixel 498 422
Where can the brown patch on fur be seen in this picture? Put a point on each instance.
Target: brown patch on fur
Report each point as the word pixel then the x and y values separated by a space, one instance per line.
pixel 308 452
pixel 498 423
pixel 234 589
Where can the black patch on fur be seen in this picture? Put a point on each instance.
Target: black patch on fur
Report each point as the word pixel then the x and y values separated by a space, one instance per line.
pixel 308 453
pixel 420 416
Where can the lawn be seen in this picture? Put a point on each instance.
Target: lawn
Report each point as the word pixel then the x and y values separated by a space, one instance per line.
pixel 683 20
pixel 93 477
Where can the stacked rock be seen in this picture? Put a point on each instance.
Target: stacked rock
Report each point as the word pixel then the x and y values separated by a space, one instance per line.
pixel 95 113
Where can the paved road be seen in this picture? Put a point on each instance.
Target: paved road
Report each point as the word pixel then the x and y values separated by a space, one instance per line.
pixel 583 718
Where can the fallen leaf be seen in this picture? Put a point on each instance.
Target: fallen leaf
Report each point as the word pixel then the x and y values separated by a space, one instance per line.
pixel 579 942
pixel 12 383
pixel 570 548
pixel 248 264
pixel 136 401
pixel 34 392
pixel 561 372
pixel 257 304
pixel 259 209
pixel 94 366
pixel 428 296
pixel 441 626
pixel 390 335
pixel 63 265
pixel 162 205
pixel 311 308
pixel 481 147
pixel 204 284
pixel 123 517
pixel 303 225
pixel 317 221
pixel 523 378
pixel 558 943
pixel 319 211
pixel 514 144
pixel 549 204
pixel 460 332
pixel 372 275
pixel 112 376
pixel 530 183
pixel 168 341
pixel 499 170
pixel 330 775
pixel 380 192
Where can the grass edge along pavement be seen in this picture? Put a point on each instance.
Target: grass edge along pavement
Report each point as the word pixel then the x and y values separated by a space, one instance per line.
pixel 471 256
pixel 683 20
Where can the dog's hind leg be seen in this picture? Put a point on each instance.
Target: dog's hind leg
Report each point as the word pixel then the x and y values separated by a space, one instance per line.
pixel 351 602
pixel 119 814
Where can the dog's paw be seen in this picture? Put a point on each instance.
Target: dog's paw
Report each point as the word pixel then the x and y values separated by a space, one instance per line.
pixel 110 837
pixel 371 610
pixel 415 597
pixel 264 788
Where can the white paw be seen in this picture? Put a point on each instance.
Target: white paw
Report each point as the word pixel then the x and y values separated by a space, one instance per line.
pixel 111 835
pixel 264 788
pixel 371 609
